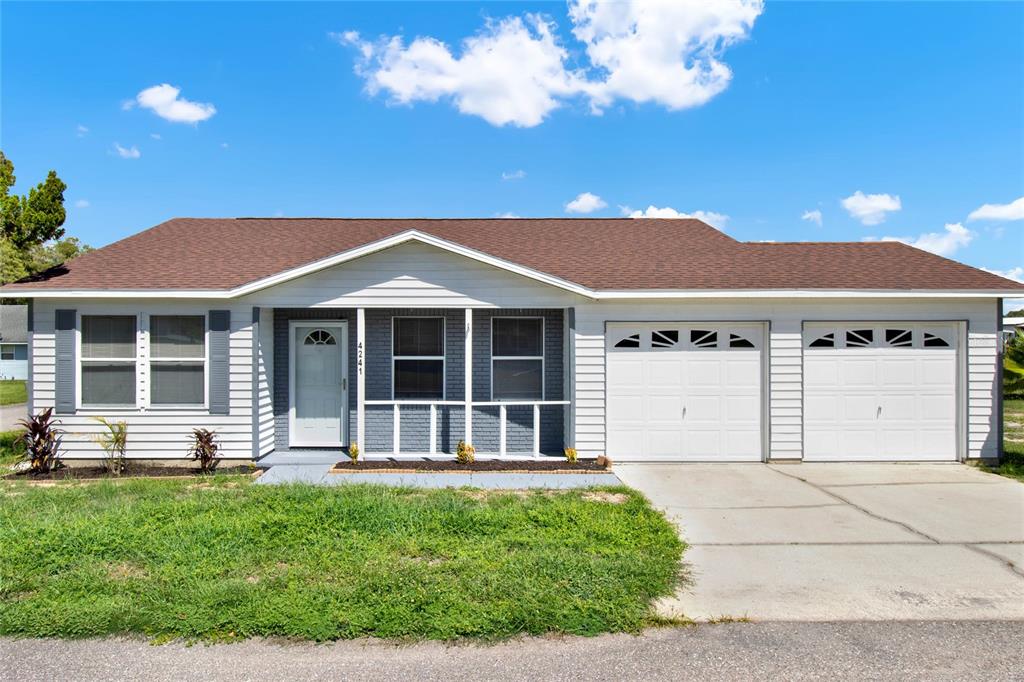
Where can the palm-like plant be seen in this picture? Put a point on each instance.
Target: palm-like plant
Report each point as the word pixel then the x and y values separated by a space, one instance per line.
pixel 42 441
pixel 114 443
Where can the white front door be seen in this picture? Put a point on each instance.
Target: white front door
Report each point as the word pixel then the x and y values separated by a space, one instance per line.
pixel 684 391
pixel 319 384
pixel 880 392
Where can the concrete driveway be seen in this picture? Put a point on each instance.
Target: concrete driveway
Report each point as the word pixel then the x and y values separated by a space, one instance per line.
pixel 842 541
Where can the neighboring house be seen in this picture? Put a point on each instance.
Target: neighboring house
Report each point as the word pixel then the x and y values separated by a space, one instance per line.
pixel 1011 326
pixel 662 340
pixel 14 342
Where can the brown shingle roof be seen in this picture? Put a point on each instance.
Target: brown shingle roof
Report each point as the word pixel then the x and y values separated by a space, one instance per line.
pixel 597 253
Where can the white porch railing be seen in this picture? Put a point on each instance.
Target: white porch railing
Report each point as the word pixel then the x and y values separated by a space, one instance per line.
pixel 502 419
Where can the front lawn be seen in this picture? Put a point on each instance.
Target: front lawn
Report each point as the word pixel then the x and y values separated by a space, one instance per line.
pixel 1013 441
pixel 13 392
pixel 222 558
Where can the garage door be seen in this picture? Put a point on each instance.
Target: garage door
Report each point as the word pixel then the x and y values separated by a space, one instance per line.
pixel 880 392
pixel 684 392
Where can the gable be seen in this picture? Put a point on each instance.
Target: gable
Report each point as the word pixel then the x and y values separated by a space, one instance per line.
pixel 413 274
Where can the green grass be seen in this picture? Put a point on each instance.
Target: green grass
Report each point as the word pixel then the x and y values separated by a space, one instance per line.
pixel 224 559
pixel 10 452
pixel 13 392
pixel 1013 441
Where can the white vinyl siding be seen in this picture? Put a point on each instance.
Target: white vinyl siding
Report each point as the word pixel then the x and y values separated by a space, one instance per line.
pixel 265 381
pixel 413 276
pixel 153 433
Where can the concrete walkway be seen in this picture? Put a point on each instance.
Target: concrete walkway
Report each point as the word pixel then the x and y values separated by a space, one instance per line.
pixel 737 651
pixel 317 474
pixel 824 542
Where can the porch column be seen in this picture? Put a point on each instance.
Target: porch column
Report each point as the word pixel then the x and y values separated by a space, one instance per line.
pixel 361 381
pixel 469 376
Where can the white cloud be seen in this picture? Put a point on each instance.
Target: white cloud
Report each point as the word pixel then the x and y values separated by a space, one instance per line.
pixel 156 136
pixel 127 152
pixel 585 203
pixel 1016 274
pixel 945 243
pixel 513 175
pixel 870 209
pixel 81 130
pixel 505 215
pixel 812 217
pixel 224 145
pixel 1011 211
pixel 82 203
pixel 710 217
pixel 165 102
pixel 515 71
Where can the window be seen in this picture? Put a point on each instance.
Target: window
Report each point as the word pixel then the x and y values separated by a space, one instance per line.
pixel 667 338
pixel 933 341
pixel 703 338
pixel 177 348
pixel 899 338
pixel 737 341
pixel 418 352
pixel 319 337
pixel 859 338
pixel 517 358
pixel 108 360
pixel 7 351
pixel 824 341
pixel 631 341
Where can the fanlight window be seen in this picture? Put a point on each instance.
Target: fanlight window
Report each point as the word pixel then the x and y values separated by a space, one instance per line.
pixel 824 341
pixel 899 338
pixel 933 341
pixel 737 341
pixel 859 338
pixel 319 337
pixel 703 338
pixel 632 341
pixel 668 338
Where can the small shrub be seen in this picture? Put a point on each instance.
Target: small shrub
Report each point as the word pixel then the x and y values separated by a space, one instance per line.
pixel 204 449
pixel 114 443
pixel 570 455
pixel 42 441
pixel 465 453
pixel 353 453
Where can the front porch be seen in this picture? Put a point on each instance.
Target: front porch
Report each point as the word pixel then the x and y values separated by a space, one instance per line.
pixel 413 382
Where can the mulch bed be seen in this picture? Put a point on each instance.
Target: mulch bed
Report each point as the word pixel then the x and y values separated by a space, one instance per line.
pixel 427 466
pixel 134 471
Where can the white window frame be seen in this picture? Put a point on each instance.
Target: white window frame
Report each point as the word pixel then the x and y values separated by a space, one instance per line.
pixel 442 357
pixel 543 374
pixel 81 360
pixel 205 359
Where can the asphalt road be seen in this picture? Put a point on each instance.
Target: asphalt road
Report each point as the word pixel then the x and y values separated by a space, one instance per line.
pixel 734 651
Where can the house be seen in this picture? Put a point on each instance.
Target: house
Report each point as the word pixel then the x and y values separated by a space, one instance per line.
pixel 1011 326
pixel 643 339
pixel 13 342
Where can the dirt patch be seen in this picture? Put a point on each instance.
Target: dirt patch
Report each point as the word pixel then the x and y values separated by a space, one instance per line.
pixel 610 498
pixel 125 570
pixel 93 473
pixel 427 466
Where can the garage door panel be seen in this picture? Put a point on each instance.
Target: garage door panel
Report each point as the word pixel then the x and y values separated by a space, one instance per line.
pixel 896 397
pixel 690 400
pixel 858 373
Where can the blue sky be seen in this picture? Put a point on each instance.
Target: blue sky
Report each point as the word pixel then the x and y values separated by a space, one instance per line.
pixel 918 106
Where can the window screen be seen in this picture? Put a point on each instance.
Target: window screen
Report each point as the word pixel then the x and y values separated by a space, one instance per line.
pixel 517 361
pixel 177 359
pixel 418 358
pixel 108 360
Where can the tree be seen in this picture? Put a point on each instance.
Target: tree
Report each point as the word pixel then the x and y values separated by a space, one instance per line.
pixel 32 219
pixel 1016 313
pixel 31 226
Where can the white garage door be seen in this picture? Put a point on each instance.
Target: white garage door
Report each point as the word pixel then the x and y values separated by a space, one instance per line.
pixel 684 392
pixel 880 392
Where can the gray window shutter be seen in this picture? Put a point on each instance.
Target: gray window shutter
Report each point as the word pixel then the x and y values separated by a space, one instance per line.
pixel 64 342
pixel 220 328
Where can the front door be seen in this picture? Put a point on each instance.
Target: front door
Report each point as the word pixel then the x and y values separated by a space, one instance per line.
pixel 319 384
